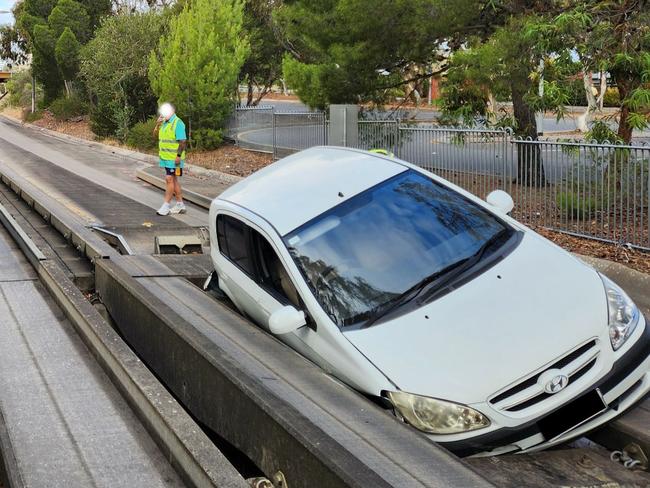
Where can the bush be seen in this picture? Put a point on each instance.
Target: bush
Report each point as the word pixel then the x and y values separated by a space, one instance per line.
pixel 206 138
pixel 612 98
pixel 576 205
pixel 28 116
pixel 141 136
pixel 65 108
pixel 20 90
pixel 114 67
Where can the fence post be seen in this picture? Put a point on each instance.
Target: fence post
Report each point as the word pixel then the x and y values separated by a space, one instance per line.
pixel 344 125
pixel 275 155
pixel 396 139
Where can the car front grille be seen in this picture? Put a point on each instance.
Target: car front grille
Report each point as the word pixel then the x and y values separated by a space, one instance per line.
pixel 530 392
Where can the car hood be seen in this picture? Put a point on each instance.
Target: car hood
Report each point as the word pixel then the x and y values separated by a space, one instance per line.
pixel 530 308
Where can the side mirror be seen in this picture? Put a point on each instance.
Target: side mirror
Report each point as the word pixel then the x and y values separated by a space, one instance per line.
pixel 285 320
pixel 501 200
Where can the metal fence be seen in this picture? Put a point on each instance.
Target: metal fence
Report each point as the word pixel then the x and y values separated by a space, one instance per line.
pixel 591 190
pixel 295 131
pixel 252 127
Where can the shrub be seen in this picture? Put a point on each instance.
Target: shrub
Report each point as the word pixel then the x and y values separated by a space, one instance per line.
pixel 612 98
pixel 65 108
pixel 141 136
pixel 28 116
pixel 206 138
pixel 113 67
pixel 576 205
pixel 20 90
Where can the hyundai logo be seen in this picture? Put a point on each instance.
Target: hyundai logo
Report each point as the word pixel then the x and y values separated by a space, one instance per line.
pixel 557 383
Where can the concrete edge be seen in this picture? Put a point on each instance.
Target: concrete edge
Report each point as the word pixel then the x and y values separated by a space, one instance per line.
pixel 25 243
pixel 189 195
pixel 190 451
pixel 88 243
pixel 9 470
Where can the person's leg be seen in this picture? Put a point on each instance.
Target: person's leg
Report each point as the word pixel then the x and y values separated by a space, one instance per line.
pixel 177 189
pixel 169 192
pixel 169 188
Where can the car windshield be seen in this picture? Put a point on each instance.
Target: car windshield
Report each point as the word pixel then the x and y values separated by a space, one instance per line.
pixel 370 250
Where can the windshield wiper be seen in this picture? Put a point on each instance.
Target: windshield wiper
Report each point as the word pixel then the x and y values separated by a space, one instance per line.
pixel 444 276
pixel 411 293
pixel 469 262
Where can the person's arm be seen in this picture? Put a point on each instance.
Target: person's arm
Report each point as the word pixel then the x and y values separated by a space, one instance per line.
pixel 157 127
pixel 181 147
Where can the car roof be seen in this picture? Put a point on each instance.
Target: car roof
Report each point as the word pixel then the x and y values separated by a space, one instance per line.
pixel 298 188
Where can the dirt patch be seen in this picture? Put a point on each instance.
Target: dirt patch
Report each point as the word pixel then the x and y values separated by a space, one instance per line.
pixel 631 258
pixel 77 128
pixel 230 159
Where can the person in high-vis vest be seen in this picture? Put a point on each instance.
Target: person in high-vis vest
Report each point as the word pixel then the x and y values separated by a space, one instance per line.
pixel 172 141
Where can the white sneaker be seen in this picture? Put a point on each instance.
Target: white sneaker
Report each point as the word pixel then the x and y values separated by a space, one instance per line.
pixel 179 208
pixel 164 209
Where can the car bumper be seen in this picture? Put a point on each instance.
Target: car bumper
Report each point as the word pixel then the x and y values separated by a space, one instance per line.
pixel 626 383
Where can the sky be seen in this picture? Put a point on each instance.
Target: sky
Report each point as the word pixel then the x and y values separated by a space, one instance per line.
pixel 6 5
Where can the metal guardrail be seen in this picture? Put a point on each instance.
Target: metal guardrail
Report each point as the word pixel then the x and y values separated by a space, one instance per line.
pixel 591 190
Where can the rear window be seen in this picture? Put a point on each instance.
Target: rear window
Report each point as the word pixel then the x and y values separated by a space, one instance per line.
pixel 233 242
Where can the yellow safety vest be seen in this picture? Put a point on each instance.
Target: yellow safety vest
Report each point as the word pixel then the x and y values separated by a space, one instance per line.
pixel 167 143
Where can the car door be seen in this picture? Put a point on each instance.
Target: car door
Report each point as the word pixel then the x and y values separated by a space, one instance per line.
pixel 251 272
pixel 236 268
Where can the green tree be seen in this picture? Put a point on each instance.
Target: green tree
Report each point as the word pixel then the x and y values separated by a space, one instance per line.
pixel 66 53
pixel 40 24
pixel 608 36
pixel 44 64
pixel 114 68
pixel 352 51
pixel 71 15
pixel 12 45
pixel 263 66
pixel 198 63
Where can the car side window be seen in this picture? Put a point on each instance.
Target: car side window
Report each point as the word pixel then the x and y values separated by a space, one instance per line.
pixel 255 256
pixel 272 274
pixel 233 242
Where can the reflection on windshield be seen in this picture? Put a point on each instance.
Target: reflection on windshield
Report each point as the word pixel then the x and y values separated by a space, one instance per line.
pixel 367 251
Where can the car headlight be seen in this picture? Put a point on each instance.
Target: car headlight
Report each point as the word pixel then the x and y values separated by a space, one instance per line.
pixel 436 416
pixel 623 313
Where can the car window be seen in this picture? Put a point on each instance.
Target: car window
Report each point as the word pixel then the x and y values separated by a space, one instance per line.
pixel 232 239
pixel 272 274
pixel 253 253
pixel 370 250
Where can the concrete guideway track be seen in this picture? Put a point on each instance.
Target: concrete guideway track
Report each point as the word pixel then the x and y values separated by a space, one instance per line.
pixel 62 421
pixel 98 187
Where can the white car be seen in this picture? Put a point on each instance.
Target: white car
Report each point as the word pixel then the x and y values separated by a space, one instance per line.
pixel 473 328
